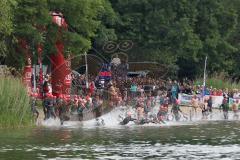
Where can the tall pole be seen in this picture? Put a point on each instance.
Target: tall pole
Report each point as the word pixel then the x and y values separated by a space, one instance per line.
pixel 204 76
pixel 86 71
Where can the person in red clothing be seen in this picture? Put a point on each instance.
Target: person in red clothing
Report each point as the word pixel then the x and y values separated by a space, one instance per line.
pixel 214 92
pixel 92 88
pixel 219 92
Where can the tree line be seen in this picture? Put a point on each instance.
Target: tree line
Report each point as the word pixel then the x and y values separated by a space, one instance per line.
pixel 175 33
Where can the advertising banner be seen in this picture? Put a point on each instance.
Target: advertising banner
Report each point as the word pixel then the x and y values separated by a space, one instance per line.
pixel 27 77
pixel 185 99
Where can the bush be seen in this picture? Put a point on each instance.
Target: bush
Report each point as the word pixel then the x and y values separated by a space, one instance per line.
pixel 15 110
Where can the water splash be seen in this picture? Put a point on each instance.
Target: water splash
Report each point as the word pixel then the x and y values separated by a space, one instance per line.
pixel 113 118
pixel 51 122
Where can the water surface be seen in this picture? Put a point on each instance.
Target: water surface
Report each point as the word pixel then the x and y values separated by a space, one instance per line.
pixel 198 140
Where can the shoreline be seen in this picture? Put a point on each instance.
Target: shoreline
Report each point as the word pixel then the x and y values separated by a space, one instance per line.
pixel 185 109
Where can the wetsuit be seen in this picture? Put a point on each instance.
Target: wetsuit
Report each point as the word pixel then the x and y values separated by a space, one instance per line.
pixel 97 107
pixel 48 105
pixel 204 112
pixel 100 122
pixel 33 108
pixel 62 109
pixel 225 108
pixel 127 120
pixel 209 105
pixel 175 110
pixel 51 111
pixel 80 112
pixel 45 106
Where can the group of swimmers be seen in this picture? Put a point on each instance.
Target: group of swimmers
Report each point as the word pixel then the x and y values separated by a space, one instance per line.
pixel 65 106
pixel 144 113
pixel 144 110
pixel 144 105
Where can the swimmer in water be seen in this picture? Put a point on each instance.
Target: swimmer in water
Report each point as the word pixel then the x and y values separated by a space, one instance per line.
pixel 176 109
pixel 162 113
pixel 100 122
pixel 128 119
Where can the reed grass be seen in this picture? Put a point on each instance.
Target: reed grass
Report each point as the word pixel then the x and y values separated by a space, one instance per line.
pixel 219 82
pixel 15 110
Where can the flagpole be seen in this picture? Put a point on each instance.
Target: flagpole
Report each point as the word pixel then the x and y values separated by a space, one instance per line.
pixel 204 76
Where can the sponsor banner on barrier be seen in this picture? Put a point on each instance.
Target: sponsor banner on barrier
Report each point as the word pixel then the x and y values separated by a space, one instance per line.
pixel 185 99
pixel 233 100
pixel 216 101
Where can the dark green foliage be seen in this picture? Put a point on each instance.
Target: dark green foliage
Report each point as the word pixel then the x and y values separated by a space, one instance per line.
pixel 81 16
pixel 6 24
pixel 29 16
pixel 33 23
pixel 180 32
pixel 176 33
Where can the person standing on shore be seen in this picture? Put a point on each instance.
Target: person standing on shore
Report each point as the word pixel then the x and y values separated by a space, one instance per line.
pixel 133 90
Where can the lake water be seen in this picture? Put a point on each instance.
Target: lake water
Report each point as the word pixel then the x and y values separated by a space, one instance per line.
pixel 182 140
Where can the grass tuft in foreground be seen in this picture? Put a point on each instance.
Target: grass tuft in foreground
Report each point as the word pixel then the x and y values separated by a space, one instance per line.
pixel 15 110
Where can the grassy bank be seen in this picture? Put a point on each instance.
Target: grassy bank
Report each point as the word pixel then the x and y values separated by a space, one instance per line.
pixel 15 110
pixel 219 82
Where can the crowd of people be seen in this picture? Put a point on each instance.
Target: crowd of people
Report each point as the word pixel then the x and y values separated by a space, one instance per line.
pixel 143 94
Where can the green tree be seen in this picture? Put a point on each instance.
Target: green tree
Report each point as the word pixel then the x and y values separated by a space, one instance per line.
pixel 6 24
pixel 161 30
pixel 30 19
pixel 33 23
pixel 108 20
pixel 214 25
pixel 179 32
pixel 234 6
pixel 83 22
